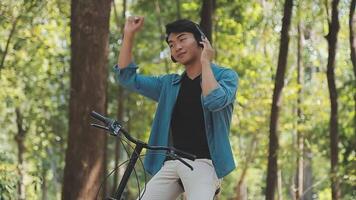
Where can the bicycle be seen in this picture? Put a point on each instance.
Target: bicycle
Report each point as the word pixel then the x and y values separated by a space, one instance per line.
pixel 114 128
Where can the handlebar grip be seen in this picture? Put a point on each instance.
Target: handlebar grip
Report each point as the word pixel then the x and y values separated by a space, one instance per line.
pixel 99 117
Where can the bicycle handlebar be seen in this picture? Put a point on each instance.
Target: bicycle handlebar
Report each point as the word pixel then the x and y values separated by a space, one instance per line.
pixel 115 127
pixel 101 118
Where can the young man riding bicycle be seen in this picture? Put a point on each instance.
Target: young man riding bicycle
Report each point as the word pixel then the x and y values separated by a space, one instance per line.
pixel 193 114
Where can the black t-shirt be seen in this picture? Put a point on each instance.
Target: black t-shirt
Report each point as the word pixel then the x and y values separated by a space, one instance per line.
pixel 187 125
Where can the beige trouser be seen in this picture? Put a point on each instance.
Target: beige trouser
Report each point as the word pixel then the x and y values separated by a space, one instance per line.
pixel 199 184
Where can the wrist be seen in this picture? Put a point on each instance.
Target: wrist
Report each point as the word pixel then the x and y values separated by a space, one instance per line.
pixel 129 35
pixel 205 62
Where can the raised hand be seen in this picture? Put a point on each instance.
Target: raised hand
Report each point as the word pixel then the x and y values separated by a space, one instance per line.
pixel 208 52
pixel 133 24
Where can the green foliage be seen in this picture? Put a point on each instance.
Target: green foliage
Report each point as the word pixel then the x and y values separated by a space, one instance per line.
pixel 35 80
pixel 8 178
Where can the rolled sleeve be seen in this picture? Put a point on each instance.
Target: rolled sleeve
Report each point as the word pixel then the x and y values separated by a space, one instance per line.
pixel 131 66
pixel 124 75
pixel 224 94
pixel 148 86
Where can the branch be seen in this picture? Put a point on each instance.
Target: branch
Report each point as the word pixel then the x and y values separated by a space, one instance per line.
pixel 12 32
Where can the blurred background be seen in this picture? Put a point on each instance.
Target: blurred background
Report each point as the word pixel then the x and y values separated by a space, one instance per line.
pixel 294 125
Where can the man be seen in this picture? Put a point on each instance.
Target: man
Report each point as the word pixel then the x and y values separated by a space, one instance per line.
pixel 193 114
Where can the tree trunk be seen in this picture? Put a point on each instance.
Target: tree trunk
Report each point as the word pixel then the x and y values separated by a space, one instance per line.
pixel 118 148
pixel 279 84
pixel 352 29
pixel 241 188
pixel 308 175
pixel 206 15
pixel 120 107
pixel 178 9
pixel 241 191
pixel 86 145
pixel 300 135
pixel 279 185
pixel 161 32
pixel 44 186
pixel 334 138
pixel 20 140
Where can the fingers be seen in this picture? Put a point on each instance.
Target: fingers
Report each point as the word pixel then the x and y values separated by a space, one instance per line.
pixel 137 20
pixel 205 42
pixel 208 51
pixel 133 24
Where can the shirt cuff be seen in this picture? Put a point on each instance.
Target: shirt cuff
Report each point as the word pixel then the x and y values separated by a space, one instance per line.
pixel 213 95
pixel 131 65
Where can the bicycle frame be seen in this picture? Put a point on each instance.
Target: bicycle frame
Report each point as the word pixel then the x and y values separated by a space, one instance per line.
pixel 115 128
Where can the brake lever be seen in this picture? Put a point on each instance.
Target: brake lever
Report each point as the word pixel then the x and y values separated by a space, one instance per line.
pixel 186 154
pixel 176 157
pixel 100 126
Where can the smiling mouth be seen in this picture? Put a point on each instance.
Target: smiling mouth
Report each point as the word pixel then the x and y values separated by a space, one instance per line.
pixel 180 55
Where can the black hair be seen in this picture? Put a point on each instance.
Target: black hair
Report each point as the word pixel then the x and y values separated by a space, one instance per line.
pixel 184 25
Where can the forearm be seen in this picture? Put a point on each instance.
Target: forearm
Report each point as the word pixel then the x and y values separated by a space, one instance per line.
pixel 209 82
pixel 125 56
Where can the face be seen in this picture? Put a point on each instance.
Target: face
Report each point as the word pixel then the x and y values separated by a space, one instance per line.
pixel 184 48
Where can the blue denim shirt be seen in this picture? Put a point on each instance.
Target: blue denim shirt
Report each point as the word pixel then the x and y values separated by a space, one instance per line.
pixel 217 108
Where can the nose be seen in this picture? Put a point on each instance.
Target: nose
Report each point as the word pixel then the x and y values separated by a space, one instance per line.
pixel 178 47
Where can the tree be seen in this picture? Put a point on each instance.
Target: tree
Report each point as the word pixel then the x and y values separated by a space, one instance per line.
pixel 276 101
pixel 120 98
pixel 331 37
pixel 352 37
pixel 300 135
pixel 20 138
pixel 86 146
pixel 206 15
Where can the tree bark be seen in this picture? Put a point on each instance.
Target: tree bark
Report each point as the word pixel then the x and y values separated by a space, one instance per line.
pixel 279 84
pixel 334 27
pixel 84 163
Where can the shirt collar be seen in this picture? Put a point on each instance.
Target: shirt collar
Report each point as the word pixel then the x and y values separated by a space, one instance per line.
pixel 179 78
